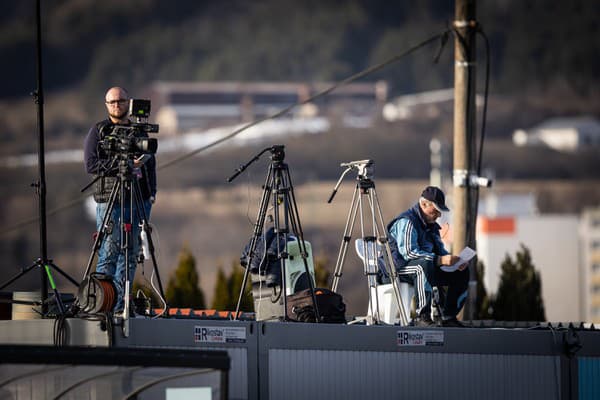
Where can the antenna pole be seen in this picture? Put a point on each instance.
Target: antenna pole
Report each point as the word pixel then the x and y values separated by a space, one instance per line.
pixel 41 184
pixel 464 139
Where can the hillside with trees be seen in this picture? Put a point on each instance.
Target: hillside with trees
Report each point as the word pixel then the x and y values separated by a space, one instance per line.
pixel 544 58
pixel 537 48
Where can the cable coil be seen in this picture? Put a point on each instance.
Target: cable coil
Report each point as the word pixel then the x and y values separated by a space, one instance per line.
pixel 97 294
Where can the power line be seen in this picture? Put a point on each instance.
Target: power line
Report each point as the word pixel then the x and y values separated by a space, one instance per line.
pixel 440 36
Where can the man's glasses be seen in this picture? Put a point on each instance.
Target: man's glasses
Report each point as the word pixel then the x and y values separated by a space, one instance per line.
pixel 118 101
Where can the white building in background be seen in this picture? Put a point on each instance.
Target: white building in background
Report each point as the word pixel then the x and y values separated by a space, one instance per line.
pixel 590 252
pixel 562 134
pixel 564 248
pixel 429 104
pixel 506 222
pixel 183 107
pixel 553 242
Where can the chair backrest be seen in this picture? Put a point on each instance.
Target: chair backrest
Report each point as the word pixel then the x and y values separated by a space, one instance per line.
pixel 295 277
pixel 368 251
pixel 388 308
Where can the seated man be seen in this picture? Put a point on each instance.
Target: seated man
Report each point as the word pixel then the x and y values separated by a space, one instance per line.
pixel 418 252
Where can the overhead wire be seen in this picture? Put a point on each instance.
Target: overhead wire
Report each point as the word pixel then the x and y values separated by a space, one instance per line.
pixel 323 93
pixel 365 72
pixel 485 97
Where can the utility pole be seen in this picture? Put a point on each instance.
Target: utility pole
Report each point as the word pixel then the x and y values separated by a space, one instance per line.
pixel 464 140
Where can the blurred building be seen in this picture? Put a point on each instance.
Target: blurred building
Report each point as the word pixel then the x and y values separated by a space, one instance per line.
pixel 181 107
pixel 590 253
pixel 562 134
pixel 423 105
pixel 565 249
pixel 554 247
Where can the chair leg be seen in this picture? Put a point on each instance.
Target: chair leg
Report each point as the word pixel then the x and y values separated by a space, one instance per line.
pixel 438 297
pixel 407 292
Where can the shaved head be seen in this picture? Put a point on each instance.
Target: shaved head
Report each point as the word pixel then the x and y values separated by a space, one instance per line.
pixel 117 91
pixel 117 100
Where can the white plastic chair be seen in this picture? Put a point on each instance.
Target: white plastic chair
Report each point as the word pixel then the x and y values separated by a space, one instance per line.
pixel 384 293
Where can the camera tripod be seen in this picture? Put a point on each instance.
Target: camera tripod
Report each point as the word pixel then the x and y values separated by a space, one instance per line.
pixel 125 189
pixel 43 263
pixel 46 267
pixel 371 245
pixel 277 188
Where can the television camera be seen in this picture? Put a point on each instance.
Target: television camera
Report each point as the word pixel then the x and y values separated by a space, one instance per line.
pixel 131 140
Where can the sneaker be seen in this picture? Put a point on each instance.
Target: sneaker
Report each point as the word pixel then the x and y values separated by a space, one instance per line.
pixel 423 322
pixel 119 314
pixel 452 323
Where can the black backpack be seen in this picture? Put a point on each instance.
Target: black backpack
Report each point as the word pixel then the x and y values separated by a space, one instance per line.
pixel 264 260
pixel 331 306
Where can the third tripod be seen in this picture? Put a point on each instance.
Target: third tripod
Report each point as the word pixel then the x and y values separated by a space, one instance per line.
pixel 373 244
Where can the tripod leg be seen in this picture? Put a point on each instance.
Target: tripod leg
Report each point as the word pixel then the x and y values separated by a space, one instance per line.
pixel 63 273
pixel 389 261
pixel 57 296
pixel 143 217
pixel 370 253
pixel 290 204
pixel 20 274
pixel 337 274
pixel 373 207
pixel 103 228
pixel 258 227
pixel 127 230
pixel 282 253
pixel 369 250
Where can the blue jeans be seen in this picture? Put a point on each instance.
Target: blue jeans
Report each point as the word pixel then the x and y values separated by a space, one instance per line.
pixel 111 257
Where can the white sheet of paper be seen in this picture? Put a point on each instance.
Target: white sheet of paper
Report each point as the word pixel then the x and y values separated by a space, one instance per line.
pixel 143 158
pixel 465 255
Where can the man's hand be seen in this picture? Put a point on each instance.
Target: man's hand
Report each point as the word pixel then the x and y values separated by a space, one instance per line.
pixel 448 259
pixel 138 162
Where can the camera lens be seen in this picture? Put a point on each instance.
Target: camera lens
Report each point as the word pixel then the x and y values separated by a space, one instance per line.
pixel 146 145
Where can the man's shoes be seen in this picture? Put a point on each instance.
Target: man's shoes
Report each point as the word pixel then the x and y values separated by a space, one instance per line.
pixel 452 323
pixel 423 322
pixel 119 314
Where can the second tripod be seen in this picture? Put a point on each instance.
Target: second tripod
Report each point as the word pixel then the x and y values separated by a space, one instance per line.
pixel 277 191
pixel 374 243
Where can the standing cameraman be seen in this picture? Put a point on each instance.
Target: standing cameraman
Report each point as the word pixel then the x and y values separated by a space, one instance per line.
pixel 111 258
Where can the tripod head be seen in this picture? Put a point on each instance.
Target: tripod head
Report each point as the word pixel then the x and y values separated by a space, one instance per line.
pixel 119 164
pixel 364 169
pixel 277 156
pixel 277 153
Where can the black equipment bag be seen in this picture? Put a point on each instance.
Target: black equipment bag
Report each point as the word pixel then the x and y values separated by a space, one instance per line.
pixel 331 306
pixel 265 261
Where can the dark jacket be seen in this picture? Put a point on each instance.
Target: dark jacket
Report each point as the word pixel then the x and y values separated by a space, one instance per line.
pixel 97 162
pixel 412 238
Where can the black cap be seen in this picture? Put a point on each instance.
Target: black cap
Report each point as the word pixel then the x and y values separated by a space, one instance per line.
pixel 436 196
